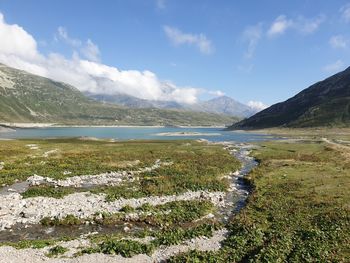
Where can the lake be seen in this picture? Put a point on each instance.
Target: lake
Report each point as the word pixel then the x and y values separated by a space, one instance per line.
pixel 136 133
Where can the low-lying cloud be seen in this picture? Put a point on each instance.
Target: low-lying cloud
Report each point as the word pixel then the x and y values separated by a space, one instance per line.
pixel 83 70
pixel 257 105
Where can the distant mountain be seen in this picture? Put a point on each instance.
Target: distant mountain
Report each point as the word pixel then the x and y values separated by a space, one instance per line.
pixel 25 97
pixel 326 103
pixel 133 102
pixel 219 105
pixel 224 105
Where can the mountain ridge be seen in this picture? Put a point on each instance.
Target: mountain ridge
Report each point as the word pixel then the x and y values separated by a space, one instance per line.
pixel 219 105
pixel 325 103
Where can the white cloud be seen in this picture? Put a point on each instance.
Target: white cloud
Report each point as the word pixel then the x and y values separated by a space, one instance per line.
pixel 19 49
pixel 177 37
pixel 338 41
pixel 62 34
pixel 252 35
pixel 91 51
pixel 257 105
pixel 217 93
pixel 15 40
pixel 334 67
pixel 88 50
pixel 279 26
pixel 345 12
pixel 308 25
pixel 300 24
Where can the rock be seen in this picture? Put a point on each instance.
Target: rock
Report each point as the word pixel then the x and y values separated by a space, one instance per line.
pixel 35 179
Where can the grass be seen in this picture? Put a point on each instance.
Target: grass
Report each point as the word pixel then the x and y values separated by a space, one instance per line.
pixel 168 215
pixel 29 244
pixel 49 191
pixel 298 211
pixel 195 166
pixel 68 220
pixel 129 248
pixel 56 251
pixel 125 248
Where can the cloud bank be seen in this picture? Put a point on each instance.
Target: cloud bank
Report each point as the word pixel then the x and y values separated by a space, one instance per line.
pixel 83 70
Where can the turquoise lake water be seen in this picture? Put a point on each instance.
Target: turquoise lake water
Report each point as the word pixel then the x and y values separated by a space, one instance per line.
pixel 135 133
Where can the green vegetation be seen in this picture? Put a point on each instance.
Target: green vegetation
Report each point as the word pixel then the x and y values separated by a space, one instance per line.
pixel 167 215
pixel 298 211
pixel 56 251
pixel 129 248
pixel 126 248
pixel 195 166
pixel 49 191
pixel 29 244
pixel 127 209
pixel 175 236
pixel 69 220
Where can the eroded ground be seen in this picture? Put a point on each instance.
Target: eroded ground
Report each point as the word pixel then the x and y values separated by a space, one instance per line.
pixel 77 200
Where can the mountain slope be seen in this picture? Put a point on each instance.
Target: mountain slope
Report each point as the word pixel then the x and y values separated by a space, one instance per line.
pixel 326 103
pixel 26 97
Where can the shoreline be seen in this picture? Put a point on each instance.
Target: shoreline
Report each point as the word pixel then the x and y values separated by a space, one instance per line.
pixel 55 125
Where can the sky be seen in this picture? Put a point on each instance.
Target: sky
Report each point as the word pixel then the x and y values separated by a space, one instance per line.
pixel 257 52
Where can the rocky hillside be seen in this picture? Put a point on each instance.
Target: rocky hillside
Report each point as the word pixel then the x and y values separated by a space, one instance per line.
pixel 326 103
pixel 26 97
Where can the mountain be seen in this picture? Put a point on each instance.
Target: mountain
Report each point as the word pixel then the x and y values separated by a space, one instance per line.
pixel 224 105
pixel 133 102
pixel 326 103
pixel 25 97
pixel 219 105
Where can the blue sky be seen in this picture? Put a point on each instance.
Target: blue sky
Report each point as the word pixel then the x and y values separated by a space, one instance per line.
pixel 250 50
